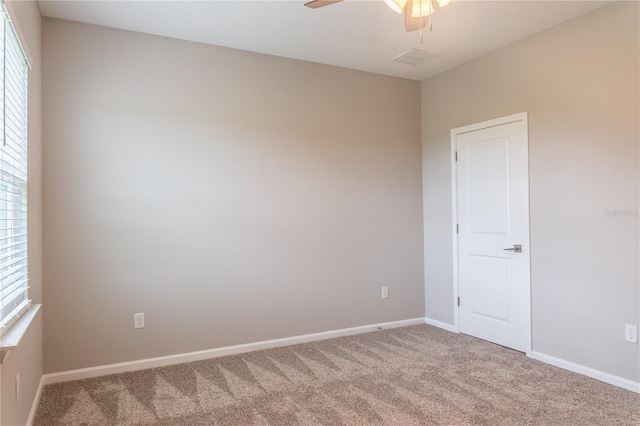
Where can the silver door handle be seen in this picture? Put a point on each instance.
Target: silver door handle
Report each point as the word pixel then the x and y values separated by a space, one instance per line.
pixel 517 248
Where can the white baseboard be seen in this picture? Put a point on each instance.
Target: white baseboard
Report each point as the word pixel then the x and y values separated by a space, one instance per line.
pixel 36 401
pixel 142 364
pixel 440 324
pixel 587 371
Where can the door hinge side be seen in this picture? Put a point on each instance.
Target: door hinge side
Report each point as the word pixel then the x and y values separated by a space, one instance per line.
pixel 456 155
pixel 457 228
pixel 458 300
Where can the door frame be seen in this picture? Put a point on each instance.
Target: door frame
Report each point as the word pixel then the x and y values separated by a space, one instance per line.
pixel 523 117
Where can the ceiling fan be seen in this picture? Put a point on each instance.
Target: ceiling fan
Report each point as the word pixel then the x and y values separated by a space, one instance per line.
pixel 415 11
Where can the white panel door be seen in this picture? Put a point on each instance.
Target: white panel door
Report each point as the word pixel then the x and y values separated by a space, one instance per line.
pixel 493 275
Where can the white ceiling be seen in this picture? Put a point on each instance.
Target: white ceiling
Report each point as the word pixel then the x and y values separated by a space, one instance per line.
pixel 363 35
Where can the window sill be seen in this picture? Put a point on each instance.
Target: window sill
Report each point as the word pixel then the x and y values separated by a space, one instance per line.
pixel 11 339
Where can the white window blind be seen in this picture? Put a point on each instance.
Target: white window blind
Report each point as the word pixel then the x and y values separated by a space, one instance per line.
pixel 14 277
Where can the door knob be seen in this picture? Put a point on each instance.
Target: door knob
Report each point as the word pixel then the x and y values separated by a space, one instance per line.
pixel 517 248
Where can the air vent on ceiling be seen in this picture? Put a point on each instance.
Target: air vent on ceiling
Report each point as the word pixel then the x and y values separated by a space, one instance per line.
pixel 415 57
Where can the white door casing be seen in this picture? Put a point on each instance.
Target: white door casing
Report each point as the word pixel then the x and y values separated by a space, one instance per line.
pixel 491 214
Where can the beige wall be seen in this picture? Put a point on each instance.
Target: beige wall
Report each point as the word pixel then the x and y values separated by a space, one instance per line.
pixel 27 359
pixel 232 197
pixel 579 83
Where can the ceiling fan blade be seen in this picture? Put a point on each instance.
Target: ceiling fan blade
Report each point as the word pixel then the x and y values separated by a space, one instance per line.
pixel 411 23
pixel 314 4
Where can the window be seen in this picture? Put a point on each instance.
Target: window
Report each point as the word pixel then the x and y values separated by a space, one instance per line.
pixel 14 277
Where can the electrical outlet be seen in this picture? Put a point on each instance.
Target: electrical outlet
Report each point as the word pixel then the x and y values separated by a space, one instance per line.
pixel 18 387
pixel 631 333
pixel 385 292
pixel 138 320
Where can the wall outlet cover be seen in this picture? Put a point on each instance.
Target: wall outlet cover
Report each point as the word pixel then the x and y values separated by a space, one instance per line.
pixel 138 320
pixel 631 333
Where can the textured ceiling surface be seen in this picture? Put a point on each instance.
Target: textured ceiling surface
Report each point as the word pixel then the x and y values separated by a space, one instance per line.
pixel 362 35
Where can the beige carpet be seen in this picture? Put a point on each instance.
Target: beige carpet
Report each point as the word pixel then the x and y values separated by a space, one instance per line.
pixel 405 376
